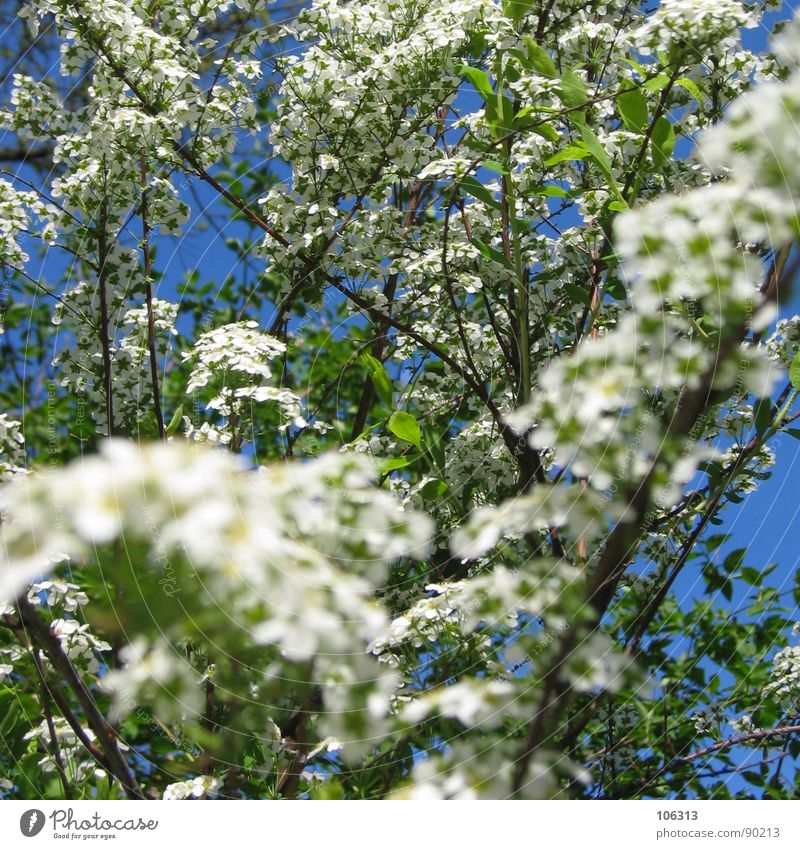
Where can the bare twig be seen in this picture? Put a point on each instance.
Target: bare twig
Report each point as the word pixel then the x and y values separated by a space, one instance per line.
pixel 151 325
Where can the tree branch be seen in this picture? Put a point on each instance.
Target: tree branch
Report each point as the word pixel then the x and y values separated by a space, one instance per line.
pixel 42 637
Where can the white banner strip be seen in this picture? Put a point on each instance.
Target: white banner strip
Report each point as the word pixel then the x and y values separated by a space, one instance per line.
pixel 395 825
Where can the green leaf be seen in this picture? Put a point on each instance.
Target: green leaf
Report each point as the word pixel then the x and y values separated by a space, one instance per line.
pixel 516 9
pixel 479 80
pixel 663 141
pixel 394 463
pixel 379 376
pixel 494 165
pixel 615 289
pixel 433 489
pixel 11 715
pixel 598 153
pixel 656 83
pixel 753 777
pixel 573 91
pixel 692 87
pixel 763 415
pixel 726 588
pixel 521 57
pixel 552 192
pixel 491 253
pixel 637 65
pixel 751 575
pixel 505 121
pixel 475 188
pixel 633 109
pixel 596 149
pixel 578 295
pixel 327 790
pixel 175 421
pixel 546 131
pixel 794 371
pixel 734 560
pixel 83 430
pixel 570 153
pixel 540 59
pixel 434 447
pixel 406 427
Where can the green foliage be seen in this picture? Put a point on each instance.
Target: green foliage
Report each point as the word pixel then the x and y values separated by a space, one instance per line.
pixel 405 427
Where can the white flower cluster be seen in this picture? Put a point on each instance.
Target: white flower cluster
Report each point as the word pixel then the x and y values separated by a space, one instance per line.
pixel 201 787
pixel 132 377
pixel 784 685
pixel 79 644
pixel 693 22
pixel 543 508
pixel 494 600
pixel 240 349
pixel 268 541
pixel 708 719
pixel 157 105
pixel 63 594
pixel 114 157
pixel 77 762
pixel 275 530
pixel 390 89
pixel 155 675
pixel 472 702
pixel 784 343
pixel 18 210
pixel 63 600
pixel 10 656
pixel 467 771
pixel 423 623
pixel 287 561
pixel 81 362
pixel 12 447
pixel 233 361
pixel 206 433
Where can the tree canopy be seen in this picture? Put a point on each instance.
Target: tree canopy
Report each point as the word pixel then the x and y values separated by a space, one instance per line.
pixel 376 379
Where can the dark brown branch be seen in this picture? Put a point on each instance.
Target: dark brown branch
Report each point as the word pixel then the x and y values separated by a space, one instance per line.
pixel 54 746
pixel 42 637
pixel 105 345
pixel 764 734
pixel 58 697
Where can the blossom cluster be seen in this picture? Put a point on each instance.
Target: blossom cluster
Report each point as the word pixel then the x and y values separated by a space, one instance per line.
pixel 232 365
pixel 268 541
pixel 12 451
pixel 203 786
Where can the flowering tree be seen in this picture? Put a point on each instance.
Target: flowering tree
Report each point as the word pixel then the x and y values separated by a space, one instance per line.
pixel 373 379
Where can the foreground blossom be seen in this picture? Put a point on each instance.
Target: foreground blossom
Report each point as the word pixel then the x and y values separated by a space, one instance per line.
pixel 378 378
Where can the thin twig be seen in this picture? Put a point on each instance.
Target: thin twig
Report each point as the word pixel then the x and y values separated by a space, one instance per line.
pixel 148 294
